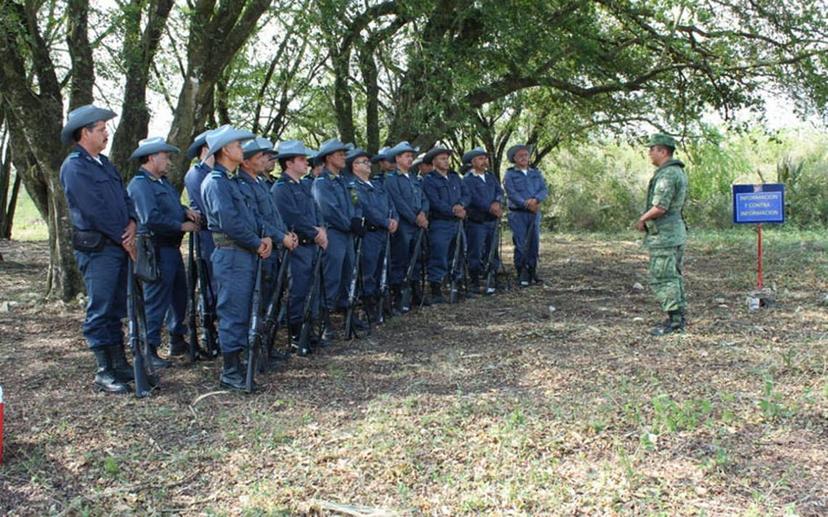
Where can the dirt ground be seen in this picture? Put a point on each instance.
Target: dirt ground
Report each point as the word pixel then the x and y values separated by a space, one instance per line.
pixel 500 405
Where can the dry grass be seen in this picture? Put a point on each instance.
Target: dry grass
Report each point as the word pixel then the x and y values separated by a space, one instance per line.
pixel 495 406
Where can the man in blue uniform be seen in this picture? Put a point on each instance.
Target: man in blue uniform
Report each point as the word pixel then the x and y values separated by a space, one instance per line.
pixel 406 192
pixel 447 201
pixel 103 235
pixel 192 182
pixel 343 220
pixel 385 163
pixel 380 219
pixel 255 190
pixel 484 211
pixel 525 190
pixel 239 242
pixel 161 215
pixel 295 203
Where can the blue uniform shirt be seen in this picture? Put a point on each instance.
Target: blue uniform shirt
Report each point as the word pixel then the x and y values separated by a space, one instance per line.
pixel 374 202
pixel 296 205
pixel 95 194
pixel 260 201
pixel 406 192
pixel 157 205
pixel 443 193
pixel 520 187
pixel 482 193
pixel 334 201
pixel 227 211
pixel 192 181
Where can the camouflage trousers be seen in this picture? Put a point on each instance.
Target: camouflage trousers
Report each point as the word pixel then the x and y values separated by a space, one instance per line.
pixel 666 280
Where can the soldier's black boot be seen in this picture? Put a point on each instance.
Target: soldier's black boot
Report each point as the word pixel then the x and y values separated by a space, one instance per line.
pixel 301 349
pixel 328 331
pixel 156 362
pixel 105 378
pixel 418 297
pixel 437 293
pixel 523 277
pixel 533 276
pixel 674 323
pixel 231 373
pixel 474 282
pixel 396 300
pixel 178 346
pixel 123 370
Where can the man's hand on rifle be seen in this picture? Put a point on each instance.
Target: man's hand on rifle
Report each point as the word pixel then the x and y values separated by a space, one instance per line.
pixel 190 226
pixel 393 225
pixel 533 205
pixel 194 216
pixel 422 220
pixel 128 237
pixel 458 211
pixel 321 238
pixel 265 247
pixel 290 241
pixel 496 209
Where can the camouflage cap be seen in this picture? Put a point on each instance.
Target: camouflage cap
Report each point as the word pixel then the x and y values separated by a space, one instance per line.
pixel 661 139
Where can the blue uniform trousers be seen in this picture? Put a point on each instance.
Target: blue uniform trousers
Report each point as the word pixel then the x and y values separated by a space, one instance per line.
pixel 338 267
pixel 402 247
pixel 480 238
pixel 441 235
pixel 300 272
pixel 166 297
pixel 105 275
pixel 373 253
pixel 519 223
pixel 235 271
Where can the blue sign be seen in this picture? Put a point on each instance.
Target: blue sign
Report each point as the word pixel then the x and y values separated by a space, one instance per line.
pixel 753 204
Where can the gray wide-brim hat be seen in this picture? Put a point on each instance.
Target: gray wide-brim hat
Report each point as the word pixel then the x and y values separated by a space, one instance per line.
pixel 355 153
pixel 199 142
pixel 468 156
pixel 150 146
pixel 293 148
pixel 83 116
pixel 510 154
pixel 380 156
pixel 329 147
pixel 418 160
pixel 255 146
pixel 224 135
pixel 435 152
pixel 402 147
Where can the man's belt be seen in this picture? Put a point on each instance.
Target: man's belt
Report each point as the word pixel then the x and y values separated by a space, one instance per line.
pixel 304 241
pixel 436 216
pixel 374 228
pixel 519 209
pixel 173 241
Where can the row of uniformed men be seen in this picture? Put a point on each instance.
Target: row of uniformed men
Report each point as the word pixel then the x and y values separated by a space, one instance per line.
pixel 243 214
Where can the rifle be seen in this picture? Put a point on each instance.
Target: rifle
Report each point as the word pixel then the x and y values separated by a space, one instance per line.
pixel 192 281
pixel 384 290
pixel 207 316
pixel 405 295
pixel 458 248
pixel 303 343
pixel 145 378
pixel 491 258
pixel 254 335
pixel 274 306
pixel 350 332
pixel 465 270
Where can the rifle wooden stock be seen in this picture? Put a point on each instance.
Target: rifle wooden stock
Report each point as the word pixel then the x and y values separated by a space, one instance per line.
pixel 405 295
pixel 458 247
pixel 307 311
pixel 144 378
pixel 352 291
pixel 254 337
pixel 192 281
pixel 274 307
pixel 491 258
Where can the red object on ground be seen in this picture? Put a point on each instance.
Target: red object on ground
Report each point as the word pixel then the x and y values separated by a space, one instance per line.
pixel 1 424
pixel 760 282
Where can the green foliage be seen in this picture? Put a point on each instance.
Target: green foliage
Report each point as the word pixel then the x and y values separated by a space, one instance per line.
pixel 600 185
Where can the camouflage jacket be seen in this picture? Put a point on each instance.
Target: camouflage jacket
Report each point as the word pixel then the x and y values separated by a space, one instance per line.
pixel 668 190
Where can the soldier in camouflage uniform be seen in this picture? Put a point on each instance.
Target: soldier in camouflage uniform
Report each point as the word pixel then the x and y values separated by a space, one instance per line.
pixel 666 232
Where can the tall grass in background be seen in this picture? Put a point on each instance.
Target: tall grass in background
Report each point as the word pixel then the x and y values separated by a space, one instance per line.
pixel 602 186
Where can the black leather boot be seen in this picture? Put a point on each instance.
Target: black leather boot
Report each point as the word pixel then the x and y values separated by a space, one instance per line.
pixel 178 346
pixel 523 277
pixel 231 373
pixel 156 362
pixel 123 370
pixel 437 293
pixel 105 378
pixel 329 333
pixel 674 323
pixel 533 276
pixel 418 296
pixel 396 300
pixel 302 350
